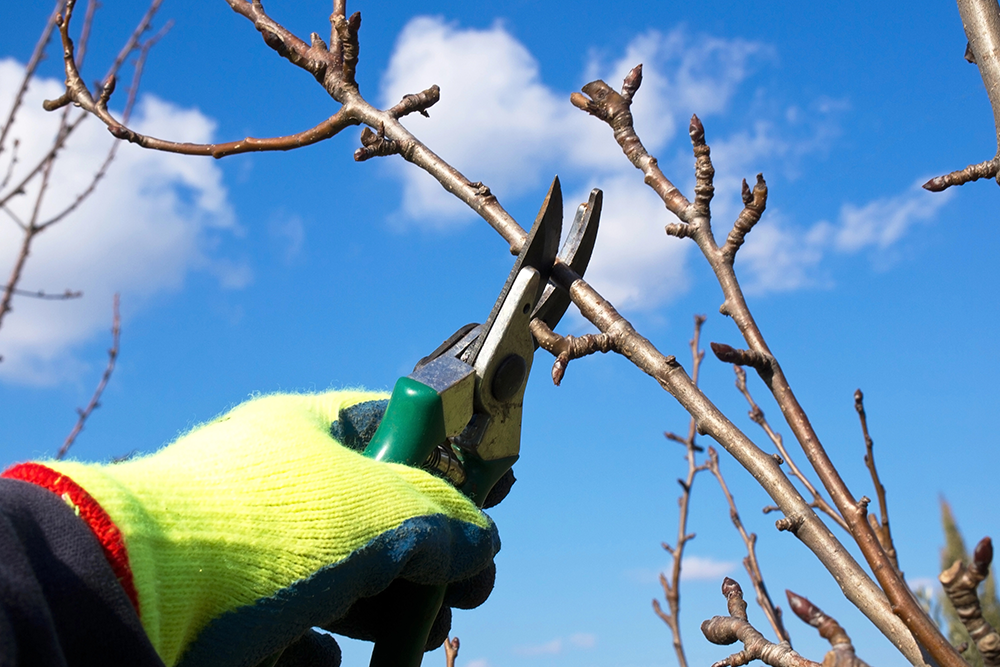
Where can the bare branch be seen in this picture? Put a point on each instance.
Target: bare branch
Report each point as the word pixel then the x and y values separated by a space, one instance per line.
pixel 95 400
pixel 757 415
pixel 960 583
pixel 610 107
pixel 41 294
pixel 971 173
pixel 730 355
pixel 375 145
pixel 841 653
pixel 567 348
pixel 418 103
pixel 736 628
pixel 881 527
pixel 753 207
pixel 29 73
pixel 981 20
pixel 613 108
pixel 772 612
pixel 451 646
pixel 671 588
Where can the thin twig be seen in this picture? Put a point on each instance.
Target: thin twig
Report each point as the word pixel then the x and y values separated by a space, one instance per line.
pixel 451 646
pixel 772 612
pixel 95 400
pixel 671 588
pixel 29 72
pixel 881 525
pixel 46 296
pixel 757 416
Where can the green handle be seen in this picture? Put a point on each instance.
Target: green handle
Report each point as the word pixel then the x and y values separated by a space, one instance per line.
pixel 413 425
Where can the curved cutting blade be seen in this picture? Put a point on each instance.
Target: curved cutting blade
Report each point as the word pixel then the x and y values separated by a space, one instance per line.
pixel 575 252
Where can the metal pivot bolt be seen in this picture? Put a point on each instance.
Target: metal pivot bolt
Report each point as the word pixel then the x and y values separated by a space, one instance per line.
pixel 509 377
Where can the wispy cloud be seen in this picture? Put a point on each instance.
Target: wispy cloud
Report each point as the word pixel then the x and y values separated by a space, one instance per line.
pixel 782 257
pixel 579 640
pixel 694 568
pixel 153 219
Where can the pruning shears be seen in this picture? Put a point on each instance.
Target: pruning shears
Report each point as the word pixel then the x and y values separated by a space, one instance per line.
pixel 459 412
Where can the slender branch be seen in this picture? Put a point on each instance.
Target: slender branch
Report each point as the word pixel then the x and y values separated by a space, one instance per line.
pixel 772 612
pixel 451 645
pixel 699 229
pixel 567 348
pixel 95 400
pixel 960 584
pixel 614 109
pixel 757 416
pixel 671 588
pixel 881 526
pixel 41 294
pixel 736 628
pixel 126 114
pixel 841 653
pixel 29 73
pixel 981 20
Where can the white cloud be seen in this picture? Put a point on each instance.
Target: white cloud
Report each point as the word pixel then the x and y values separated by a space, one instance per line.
pixel 780 257
pixel 553 647
pixel 499 123
pixel 698 568
pixel 153 218
pixel 480 662
pixel 579 640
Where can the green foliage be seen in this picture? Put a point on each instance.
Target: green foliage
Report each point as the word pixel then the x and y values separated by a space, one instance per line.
pixel 954 549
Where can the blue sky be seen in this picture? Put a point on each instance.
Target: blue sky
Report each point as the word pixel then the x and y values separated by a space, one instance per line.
pixel 305 271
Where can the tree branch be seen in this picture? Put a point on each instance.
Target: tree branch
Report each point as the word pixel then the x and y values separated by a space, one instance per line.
pixel 95 400
pixel 671 588
pixel 451 646
pixel 736 628
pixel 757 416
pixel 567 348
pixel 960 584
pixel 698 228
pixel 881 527
pixel 981 20
pixel 841 653
pixel 750 563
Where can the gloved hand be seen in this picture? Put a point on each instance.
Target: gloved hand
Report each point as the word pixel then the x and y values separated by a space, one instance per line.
pixel 251 529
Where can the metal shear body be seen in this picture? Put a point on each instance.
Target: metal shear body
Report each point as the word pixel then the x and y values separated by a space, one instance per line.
pixel 459 412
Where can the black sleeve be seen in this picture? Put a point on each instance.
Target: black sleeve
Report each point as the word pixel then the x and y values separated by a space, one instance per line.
pixel 60 602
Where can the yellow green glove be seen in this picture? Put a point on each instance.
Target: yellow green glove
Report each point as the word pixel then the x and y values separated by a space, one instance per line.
pixel 252 528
